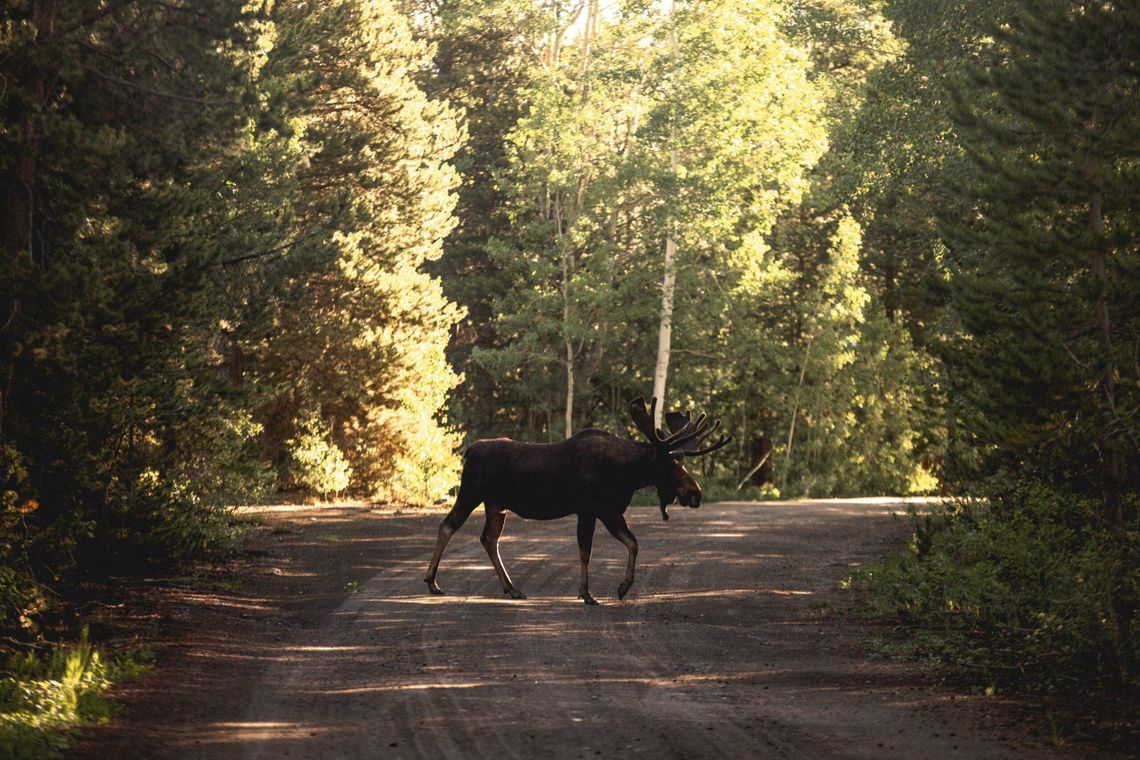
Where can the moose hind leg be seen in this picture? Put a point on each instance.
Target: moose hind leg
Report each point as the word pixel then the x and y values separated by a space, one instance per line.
pixel 619 530
pixel 447 527
pixel 492 529
pixel 585 546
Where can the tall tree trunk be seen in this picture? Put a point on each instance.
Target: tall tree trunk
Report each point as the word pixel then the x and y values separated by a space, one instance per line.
pixel 665 328
pixel 669 280
pixel 567 273
pixel 20 190
pixel 588 32
pixel 792 425
pixel 569 345
pixel 1112 509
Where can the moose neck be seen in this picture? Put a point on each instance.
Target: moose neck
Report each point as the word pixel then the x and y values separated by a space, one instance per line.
pixel 643 467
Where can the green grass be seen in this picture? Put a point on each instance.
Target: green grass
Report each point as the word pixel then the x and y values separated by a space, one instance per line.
pixel 44 698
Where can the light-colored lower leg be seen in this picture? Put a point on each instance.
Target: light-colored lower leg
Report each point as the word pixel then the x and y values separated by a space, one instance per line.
pixel 586 526
pixel 620 530
pixel 584 586
pixel 630 564
pixel 445 534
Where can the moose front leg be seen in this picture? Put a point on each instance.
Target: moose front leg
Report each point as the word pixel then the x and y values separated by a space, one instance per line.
pixel 617 527
pixel 492 529
pixel 447 527
pixel 585 545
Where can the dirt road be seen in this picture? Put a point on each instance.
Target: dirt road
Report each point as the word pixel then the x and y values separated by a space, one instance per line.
pixel 735 642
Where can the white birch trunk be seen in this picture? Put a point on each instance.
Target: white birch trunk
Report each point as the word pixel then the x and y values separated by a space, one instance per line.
pixel 566 272
pixel 665 328
pixel 668 283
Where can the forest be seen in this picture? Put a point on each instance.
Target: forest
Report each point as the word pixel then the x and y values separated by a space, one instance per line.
pixel 273 247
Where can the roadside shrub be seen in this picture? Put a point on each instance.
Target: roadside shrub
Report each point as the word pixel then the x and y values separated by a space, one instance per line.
pixel 20 596
pixel 44 697
pixel 179 508
pixel 427 467
pixel 1026 590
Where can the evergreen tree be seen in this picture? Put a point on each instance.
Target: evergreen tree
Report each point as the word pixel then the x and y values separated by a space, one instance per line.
pixel 1044 268
pixel 354 354
pixel 482 63
pixel 215 216
pixel 120 127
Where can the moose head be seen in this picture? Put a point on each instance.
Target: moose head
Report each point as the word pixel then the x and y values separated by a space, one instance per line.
pixel 686 436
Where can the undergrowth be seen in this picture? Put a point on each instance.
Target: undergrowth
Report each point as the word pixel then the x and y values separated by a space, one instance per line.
pixel 1025 592
pixel 45 697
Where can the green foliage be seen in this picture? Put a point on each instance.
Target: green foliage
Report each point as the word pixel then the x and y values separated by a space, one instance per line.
pixel 425 467
pixel 318 465
pixel 1044 269
pixel 20 596
pixel 43 698
pixel 1023 591
pixel 612 139
pixel 359 337
pixel 990 233
pixel 215 220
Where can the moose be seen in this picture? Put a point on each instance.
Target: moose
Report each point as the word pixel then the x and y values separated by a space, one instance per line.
pixel 592 474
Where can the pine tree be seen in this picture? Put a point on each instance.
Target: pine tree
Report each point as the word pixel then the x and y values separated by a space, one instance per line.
pixel 1045 268
pixel 120 127
pixel 355 350
pixel 483 51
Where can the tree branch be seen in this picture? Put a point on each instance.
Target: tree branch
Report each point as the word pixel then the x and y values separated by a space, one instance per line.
pixel 156 93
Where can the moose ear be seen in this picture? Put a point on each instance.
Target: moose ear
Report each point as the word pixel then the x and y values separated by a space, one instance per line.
pixel 643 417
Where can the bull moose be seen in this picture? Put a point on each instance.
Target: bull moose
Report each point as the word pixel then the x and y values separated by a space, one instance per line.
pixel 592 474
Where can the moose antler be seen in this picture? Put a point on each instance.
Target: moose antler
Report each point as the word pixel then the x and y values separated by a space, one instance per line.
pixel 643 418
pixel 698 432
pixel 723 441
pixel 685 434
pixel 688 438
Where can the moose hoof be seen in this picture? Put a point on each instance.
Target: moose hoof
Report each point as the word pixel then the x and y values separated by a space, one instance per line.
pixel 514 593
pixel 623 589
pixel 588 599
pixel 434 587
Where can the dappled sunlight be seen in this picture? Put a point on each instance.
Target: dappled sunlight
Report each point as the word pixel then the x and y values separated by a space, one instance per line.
pixel 263 731
pixel 664 596
pixel 337 649
pixel 500 600
pixel 553 680
pixel 387 688
pixel 285 572
pixel 228 600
